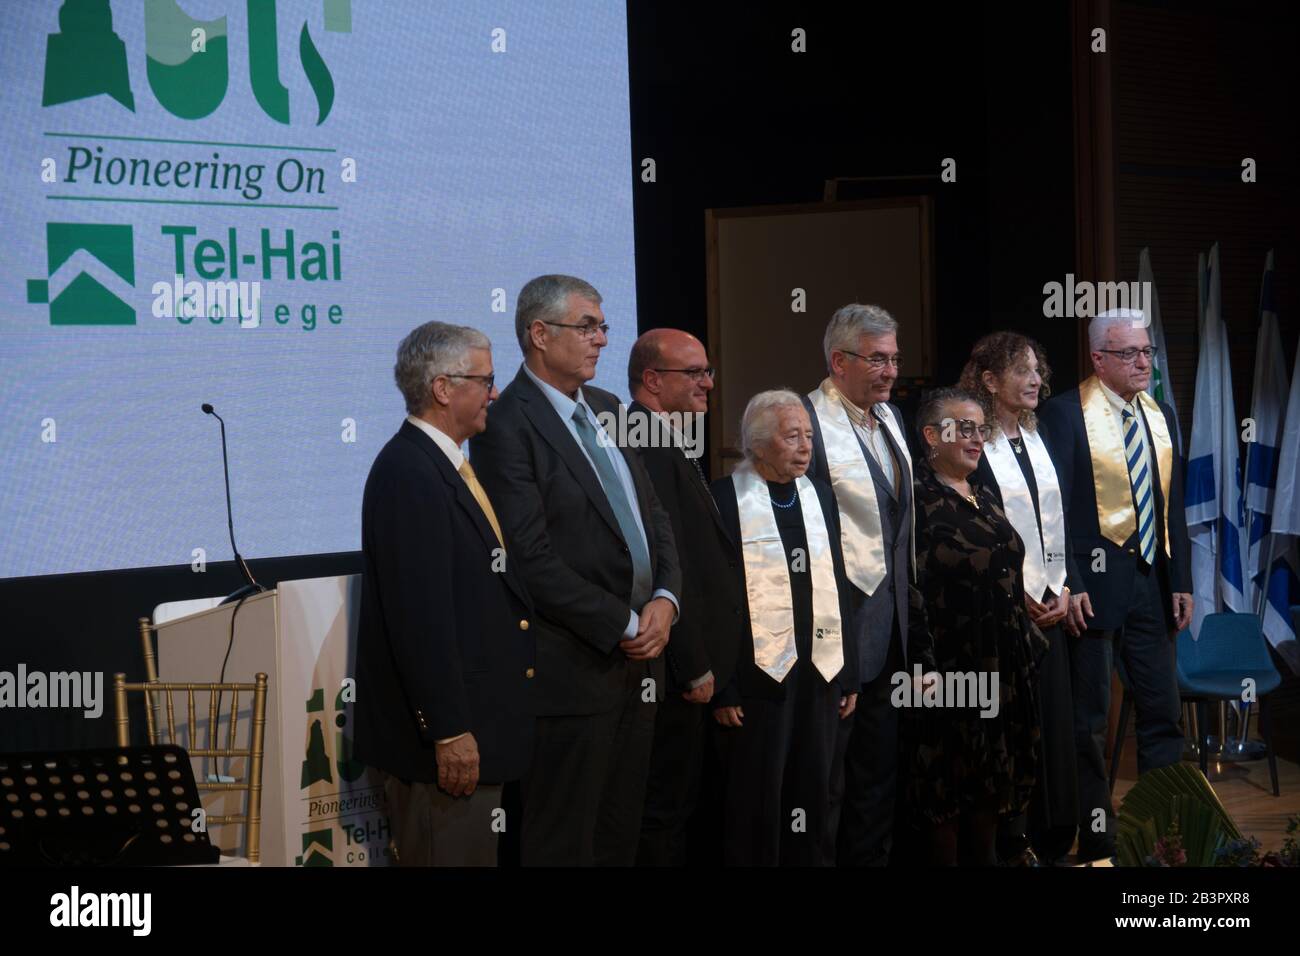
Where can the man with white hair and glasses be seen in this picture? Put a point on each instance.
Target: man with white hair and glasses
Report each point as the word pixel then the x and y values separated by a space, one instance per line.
pixel 1128 566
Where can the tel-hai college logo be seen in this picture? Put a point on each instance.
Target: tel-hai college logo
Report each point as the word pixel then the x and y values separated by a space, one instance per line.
pixel 187 60
pixel 72 247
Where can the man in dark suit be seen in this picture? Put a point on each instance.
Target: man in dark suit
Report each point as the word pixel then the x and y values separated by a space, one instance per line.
pixel 670 379
pixel 596 552
pixel 860 450
pixel 1129 568
pixel 444 652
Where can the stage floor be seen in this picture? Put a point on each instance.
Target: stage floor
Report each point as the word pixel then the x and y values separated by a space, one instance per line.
pixel 1244 789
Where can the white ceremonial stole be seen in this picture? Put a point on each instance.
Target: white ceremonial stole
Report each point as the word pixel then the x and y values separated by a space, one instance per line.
pixel 767 579
pixel 1044 559
pixel 861 538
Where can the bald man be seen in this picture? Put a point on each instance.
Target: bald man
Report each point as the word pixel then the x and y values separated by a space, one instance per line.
pixel 669 376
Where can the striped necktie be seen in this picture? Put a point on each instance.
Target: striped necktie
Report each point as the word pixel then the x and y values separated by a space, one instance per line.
pixel 1140 477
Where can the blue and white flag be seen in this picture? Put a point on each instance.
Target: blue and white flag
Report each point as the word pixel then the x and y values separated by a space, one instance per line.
pixel 1214 501
pixel 1161 387
pixel 1270 502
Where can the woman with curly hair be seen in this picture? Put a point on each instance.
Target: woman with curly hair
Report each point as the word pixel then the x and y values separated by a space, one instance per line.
pixel 1008 374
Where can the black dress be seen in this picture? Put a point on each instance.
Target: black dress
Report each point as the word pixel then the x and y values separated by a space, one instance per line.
pixel 969 561
pixel 779 764
pixel 1053 811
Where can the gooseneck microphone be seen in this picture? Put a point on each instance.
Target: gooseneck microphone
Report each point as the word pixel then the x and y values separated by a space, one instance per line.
pixel 252 587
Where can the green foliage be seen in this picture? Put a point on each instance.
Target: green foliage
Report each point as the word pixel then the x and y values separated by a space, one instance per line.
pixel 1172 817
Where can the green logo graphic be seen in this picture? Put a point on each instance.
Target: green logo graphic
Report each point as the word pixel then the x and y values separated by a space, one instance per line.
pixel 86 58
pixel 187 60
pixel 317 849
pixel 85 301
pixel 316 764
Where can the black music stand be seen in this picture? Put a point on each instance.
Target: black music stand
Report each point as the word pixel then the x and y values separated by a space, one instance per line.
pixel 119 806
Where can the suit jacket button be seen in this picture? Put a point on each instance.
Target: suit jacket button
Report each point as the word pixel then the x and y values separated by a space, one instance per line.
pixel 529 673
pixel 523 625
pixel 1132 551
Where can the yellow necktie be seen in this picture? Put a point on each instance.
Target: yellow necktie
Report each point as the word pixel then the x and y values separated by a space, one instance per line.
pixel 475 489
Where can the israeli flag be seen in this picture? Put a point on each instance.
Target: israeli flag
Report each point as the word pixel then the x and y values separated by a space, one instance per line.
pixel 1273 554
pixel 1161 387
pixel 1216 519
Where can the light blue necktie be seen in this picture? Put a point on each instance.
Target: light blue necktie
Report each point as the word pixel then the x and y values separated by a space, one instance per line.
pixel 642 579
pixel 1140 477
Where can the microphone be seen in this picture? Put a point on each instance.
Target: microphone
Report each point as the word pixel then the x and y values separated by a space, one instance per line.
pixel 252 587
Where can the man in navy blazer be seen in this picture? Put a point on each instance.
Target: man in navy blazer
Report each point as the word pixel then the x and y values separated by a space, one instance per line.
pixel 445 654
pixel 1128 568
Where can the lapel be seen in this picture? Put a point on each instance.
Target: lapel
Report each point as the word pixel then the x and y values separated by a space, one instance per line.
pixel 693 478
pixel 556 433
pixel 877 475
pixel 900 462
pixel 461 493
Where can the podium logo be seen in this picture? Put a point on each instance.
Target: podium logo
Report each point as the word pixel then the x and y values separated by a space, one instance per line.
pixel 77 249
pixel 317 849
pixel 318 764
pixel 187 60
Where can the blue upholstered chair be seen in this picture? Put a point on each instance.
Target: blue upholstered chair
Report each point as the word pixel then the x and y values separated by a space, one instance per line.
pixel 1230 649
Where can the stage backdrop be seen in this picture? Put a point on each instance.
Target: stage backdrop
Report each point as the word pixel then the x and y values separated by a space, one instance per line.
pixel 353 169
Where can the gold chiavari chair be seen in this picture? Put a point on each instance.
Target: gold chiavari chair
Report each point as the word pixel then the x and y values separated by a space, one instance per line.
pixel 251 783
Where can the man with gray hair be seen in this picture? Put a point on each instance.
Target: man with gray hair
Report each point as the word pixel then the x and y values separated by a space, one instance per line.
pixel 860 451
pixel 1129 570
pixel 596 551
pixel 444 653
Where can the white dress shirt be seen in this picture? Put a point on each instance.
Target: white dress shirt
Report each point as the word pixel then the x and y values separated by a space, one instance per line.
pixel 444 441
pixel 878 446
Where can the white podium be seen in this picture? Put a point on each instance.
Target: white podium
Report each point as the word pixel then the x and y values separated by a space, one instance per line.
pixel 319 806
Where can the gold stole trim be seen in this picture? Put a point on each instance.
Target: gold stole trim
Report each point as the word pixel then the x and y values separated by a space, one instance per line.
pixel 1116 517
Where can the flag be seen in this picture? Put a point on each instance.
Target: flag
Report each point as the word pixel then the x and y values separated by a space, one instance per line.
pixel 1286 503
pixel 1213 498
pixel 1270 503
pixel 1161 387
pixel 1267 406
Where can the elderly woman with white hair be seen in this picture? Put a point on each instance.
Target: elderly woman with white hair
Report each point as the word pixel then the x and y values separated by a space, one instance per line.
pixel 796 677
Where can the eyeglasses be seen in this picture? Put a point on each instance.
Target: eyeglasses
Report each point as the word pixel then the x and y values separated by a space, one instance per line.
pixel 877 361
pixel 586 331
pixel 488 380
pixel 965 428
pixel 696 374
pixel 1129 356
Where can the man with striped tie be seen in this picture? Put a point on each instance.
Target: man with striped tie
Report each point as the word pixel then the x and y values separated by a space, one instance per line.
pixel 1129 568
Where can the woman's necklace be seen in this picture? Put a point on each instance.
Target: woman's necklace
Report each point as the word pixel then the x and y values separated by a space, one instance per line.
pixel 789 504
pixel 974 502
pixel 1017 443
